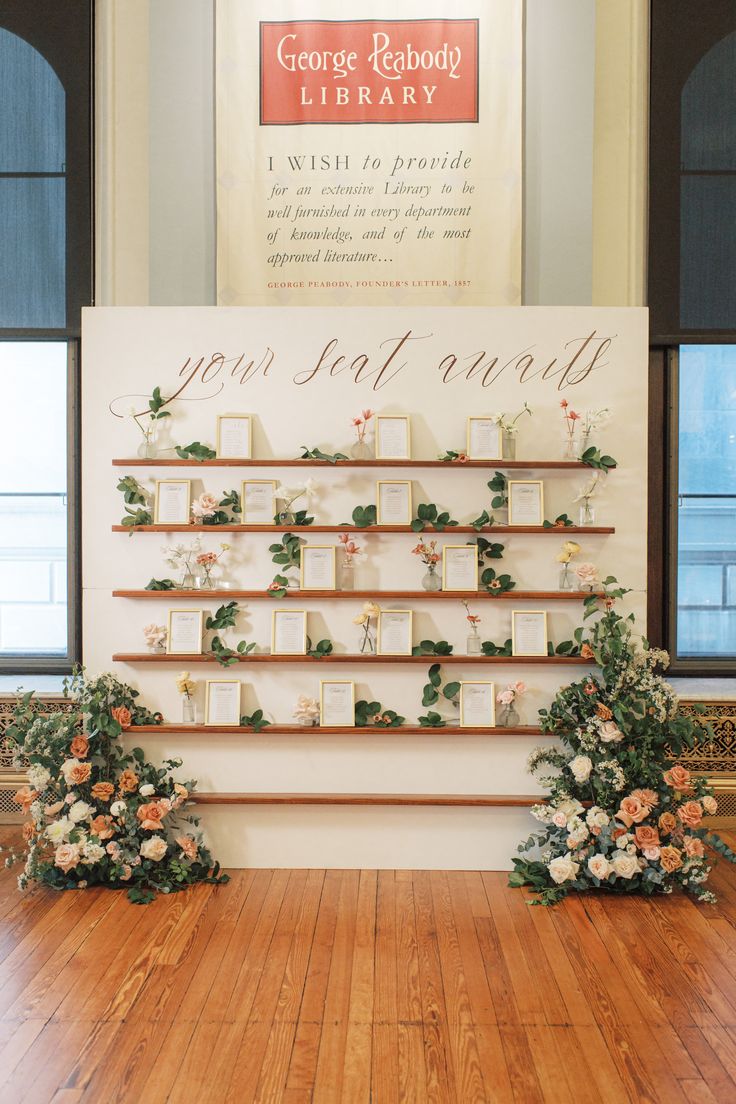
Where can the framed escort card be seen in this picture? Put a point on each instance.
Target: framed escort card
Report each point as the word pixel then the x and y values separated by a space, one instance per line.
pixel 173 502
pixel 234 436
pixel 526 501
pixel 337 704
pixel 394 632
pixel 258 501
pixel 222 703
pixel 484 439
pixel 289 632
pixel 393 502
pixel 477 705
pixel 185 632
pixel 460 567
pixel 393 437
pixel 529 632
pixel 317 569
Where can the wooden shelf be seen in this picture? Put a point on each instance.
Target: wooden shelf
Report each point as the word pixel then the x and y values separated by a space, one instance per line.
pixel 344 657
pixel 264 462
pixel 320 730
pixel 364 595
pixel 493 801
pixel 301 530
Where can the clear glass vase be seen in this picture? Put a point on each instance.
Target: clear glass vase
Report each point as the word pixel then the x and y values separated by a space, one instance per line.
pixel 587 513
pixel 285 517
pixel 508 717
pixel 361 450
pixel 473 643
pixel 431 580
pixel 307 722
pixel 188 710
pixel 293 577
pixel 347 575
pixel 570 446
pixel 189 579
pixel 565 580
pixel 508 445
pixel 367 640
pixel 147 449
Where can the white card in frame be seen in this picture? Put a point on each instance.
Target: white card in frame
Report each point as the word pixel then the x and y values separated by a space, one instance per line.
pixel 234 436
pixel 529 632
pixel 526 501
pixel 460 567
pixel 184 632
pixel 393 437
pixel 289 632
pixel 477 704
pixel 394 632
pixel 173 502
pixel 393 502
pixel 317 567
pixel 337 703
pixel 222 703
pixel 484 439
pixel 258 501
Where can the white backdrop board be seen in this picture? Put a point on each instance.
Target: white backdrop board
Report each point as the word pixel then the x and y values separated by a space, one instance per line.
pixel 303 374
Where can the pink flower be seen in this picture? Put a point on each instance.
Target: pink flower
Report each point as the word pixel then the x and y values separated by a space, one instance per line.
pixel 204 506
pixel 519 688
pixel 564 404
pixel 505 697
pixel 367 414
pixel 357 421
pixel 573 417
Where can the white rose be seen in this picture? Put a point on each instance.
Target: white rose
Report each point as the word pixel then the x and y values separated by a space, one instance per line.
pixel 38 776
pixel 596 818
pixel 578 836
pixel 80 810
pixel 92 853
pixel 581 766
pixel 153 848
pixel 563 869
pixel 118 808
pixel 625 865
pixel 651 853
pixel 599 866
pixel 623 841
pixel 559 819
pixel 609 732
pixel 147 790
pixel 69 765
pixel 58 831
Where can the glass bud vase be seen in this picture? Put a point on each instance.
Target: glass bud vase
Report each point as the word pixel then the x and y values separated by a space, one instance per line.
pixel 189 581
pixel 509 717
pixel 565 580
pixel 347 575
pixel 293 577
pixel 307 721
pixel 570 449
pixel 147 448
pixel 473 644
pixel 431 581
pixel 361 450
pixel 285 517
pixel 587 513
pixel 188 710
pixel 508 446
pixel 367 640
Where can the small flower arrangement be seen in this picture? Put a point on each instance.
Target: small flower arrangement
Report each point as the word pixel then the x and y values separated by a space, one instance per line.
pixel 508 424
pixel 208 560
pixel 100 815
pixel 571 419
pixel 587 574
pixel 179 557
pixel 186 686
pixel 360 425
pixel 306 710
pixel 206 506
pixel 427 552
pixel 569 550
pixel 349 548
pixel 287 496
pixel 154 414
pixel 368 614
pixel 508 698
pixel 155 637
pixel 585 496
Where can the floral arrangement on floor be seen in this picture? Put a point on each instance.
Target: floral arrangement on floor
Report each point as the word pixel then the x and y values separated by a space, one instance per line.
pixel 100 815
pixel 623 815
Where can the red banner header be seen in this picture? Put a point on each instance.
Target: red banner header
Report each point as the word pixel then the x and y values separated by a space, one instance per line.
pixel 367 71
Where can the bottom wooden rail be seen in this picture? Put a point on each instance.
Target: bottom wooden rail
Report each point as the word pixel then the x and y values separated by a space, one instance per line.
pixel 483 800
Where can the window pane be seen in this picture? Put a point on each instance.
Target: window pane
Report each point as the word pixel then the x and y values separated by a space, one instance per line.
pixel 708 252
pixel 33 504
pixel 709 110
pixel 32 127
pixel 706 575
pixel 32 278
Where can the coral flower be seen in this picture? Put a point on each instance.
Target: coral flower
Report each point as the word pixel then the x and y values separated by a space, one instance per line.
pixel 122 715
pixel 670 858
pixel 25 797
pixel 677 777
pixel 102 791
pixel 79 747
pixel 128 782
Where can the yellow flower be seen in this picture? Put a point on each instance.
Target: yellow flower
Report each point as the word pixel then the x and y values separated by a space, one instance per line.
pixel 225 547
pixel 184 684
pixel 360 619
pixel 569 549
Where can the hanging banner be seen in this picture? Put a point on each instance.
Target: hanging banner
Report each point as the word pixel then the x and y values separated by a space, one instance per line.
pixel 369 160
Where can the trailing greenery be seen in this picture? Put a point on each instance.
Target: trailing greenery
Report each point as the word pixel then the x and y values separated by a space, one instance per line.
pixel 498 486
pixel 593 458
pixel 161 584
pixel 287 554
pixel 98 814
pixel 195 451
pixel 298 517
pixel 134 495
pixel 432 647
pixel 562 521
pixel 487 550
pixel 321 649
pixel 451 456
pixel 318 454
pixel 488 648
pixel 433 691
pixel 622 815
pixel 364 516
pixel 256 721
pixel 496 584
pixel 428 514
pixel 373 715
pixel 224 618
pixel 432 720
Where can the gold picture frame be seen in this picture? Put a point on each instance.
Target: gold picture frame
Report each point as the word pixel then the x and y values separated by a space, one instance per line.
pixel 393 483
pixel 380 455
pixel 169 634
pixel 184 515
pixel 219 682
pixel 512 484
pixel 275 614
pixel 469 436
pixel 380 649
pixel 306 548
pixel 273 484
pixel 470 550
pixel 333 682
pixel 542 650
pixel 477 682
pixel 218 442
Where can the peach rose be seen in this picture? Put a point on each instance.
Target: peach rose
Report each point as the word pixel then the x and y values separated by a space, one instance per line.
pixel 647 798
pixel 79 747
pixel 188 846
pixel 75 772
pixel 670 858
pixel 693 847
pixel 128 782
pixel 632 811
pixel 603 712
pixel 151 815
pixel 645 836
pixel 677 777
pixel 667 823
pixel 586 652
pixel 122 715
pixel 29 831
pixel 67 856
pixel 52 810
pixel 25 797
pixel 102 791
pixel 100 826
pixel 709 804
pixel 691 813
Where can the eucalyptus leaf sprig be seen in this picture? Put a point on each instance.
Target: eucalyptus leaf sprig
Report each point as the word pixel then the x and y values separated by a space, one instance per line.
pixel 255 720
pixel 137 496
pixel 195 451
pixel 429 514
pixel 318 454
pixel 498 486
pixel 371 714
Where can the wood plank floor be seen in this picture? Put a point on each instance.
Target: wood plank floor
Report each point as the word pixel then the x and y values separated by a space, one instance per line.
pixel 358 986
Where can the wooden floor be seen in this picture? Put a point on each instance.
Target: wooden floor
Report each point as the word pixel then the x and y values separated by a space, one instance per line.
pixel 360 986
